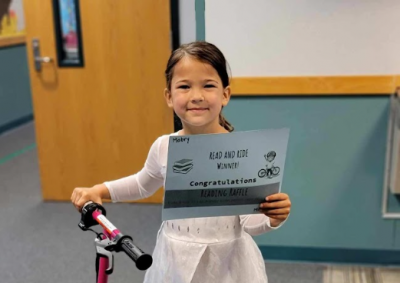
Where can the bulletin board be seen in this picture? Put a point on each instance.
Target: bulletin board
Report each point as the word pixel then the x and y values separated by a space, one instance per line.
pixel 12 23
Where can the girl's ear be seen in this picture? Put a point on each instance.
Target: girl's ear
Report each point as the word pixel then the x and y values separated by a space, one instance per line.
pixel 227 96
pixel 168 97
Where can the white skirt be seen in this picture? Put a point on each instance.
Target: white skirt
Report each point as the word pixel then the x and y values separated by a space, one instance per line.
pixel 206 250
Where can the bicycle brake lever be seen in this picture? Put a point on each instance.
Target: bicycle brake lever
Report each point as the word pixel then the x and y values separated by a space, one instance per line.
pixel 101 250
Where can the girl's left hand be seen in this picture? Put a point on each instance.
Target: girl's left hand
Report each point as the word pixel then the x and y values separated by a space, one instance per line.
pixel 277 208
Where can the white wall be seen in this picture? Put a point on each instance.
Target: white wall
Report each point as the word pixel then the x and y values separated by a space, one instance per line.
pixel 306 37
pixel 187 21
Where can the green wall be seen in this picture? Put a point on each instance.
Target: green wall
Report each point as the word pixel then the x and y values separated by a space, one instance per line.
pixel 15 93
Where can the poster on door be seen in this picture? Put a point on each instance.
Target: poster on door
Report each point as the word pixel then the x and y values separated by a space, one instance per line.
pixel 12 22
pixel 69 28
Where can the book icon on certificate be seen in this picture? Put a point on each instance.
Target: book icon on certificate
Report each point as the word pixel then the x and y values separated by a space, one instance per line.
pixel 183 166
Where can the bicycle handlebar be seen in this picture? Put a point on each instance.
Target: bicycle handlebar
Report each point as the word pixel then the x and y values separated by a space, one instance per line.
pixel 93 214
pixel 143 261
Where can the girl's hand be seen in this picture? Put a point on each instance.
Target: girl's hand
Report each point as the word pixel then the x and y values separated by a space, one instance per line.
pixel 277 208
pixel 80 196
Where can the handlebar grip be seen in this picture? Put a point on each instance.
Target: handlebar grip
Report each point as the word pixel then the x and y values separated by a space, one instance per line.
pixel 143 261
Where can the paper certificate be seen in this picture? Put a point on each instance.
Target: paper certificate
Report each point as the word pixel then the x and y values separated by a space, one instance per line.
pixel 223 174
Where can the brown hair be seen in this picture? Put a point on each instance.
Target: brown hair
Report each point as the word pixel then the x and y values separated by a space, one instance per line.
pixel 206 53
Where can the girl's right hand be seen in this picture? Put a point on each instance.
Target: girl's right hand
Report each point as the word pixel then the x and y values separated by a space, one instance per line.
pixel 80 196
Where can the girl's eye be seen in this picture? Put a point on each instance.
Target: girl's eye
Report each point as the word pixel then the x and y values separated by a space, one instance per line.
pixel 209 86
pixel 183 87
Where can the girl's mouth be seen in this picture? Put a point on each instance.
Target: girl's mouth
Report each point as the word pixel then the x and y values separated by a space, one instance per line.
pixel 197 110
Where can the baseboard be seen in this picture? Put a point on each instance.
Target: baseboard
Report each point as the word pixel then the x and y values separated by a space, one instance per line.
pixel 331 255
pixel 15 123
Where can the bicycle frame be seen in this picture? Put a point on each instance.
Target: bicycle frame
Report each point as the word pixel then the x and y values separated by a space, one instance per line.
pixel 102 276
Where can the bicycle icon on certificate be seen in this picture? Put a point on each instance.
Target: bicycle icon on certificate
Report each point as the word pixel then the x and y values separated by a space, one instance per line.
pixel 271 170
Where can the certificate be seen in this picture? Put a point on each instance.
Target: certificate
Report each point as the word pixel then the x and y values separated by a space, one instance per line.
pixel 223 174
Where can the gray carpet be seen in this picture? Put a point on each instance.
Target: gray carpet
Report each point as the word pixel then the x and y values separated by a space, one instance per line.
pixel 41 242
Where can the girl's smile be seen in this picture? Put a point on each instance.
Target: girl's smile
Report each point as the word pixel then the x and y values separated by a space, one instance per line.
pixel 198 110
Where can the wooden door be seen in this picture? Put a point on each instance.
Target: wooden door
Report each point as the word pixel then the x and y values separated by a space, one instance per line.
pixel 97 123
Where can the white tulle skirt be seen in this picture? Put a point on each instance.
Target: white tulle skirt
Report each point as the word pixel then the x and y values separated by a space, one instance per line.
pixel 206 250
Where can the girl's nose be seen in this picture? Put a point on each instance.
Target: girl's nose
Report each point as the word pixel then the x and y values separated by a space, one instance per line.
pixel 197 95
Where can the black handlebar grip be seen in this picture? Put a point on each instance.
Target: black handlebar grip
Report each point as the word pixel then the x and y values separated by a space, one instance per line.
pixel 143 261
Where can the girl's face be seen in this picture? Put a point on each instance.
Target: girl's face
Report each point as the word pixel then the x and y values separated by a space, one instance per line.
pixel 197 96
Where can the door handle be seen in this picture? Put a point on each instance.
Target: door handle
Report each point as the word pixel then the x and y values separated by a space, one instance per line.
pixel 38 60
pixel 43 59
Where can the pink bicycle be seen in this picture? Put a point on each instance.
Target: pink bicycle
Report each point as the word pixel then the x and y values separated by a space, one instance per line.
pixel 111 240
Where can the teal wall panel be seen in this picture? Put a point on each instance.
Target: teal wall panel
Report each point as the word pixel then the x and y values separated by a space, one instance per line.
pixel 200 6
pixel 15 92
pixel 396 235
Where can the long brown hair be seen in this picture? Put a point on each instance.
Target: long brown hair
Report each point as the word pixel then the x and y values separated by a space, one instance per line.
pixel 207 53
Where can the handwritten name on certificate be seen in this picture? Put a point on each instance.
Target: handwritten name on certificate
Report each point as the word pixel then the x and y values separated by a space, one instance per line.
pixel 223 174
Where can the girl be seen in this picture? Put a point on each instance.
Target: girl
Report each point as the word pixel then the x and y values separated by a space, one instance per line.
pixel 215 249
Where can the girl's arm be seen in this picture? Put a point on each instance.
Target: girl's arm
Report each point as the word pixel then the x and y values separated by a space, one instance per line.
pixel 257 224
pixel 137 186
pixel 142 184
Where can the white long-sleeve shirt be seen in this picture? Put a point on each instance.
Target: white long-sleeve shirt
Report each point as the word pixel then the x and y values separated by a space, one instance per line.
pixel 212 249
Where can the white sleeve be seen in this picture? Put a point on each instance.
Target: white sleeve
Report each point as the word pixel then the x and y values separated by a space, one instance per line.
pixel 257 224
pixel 142 184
